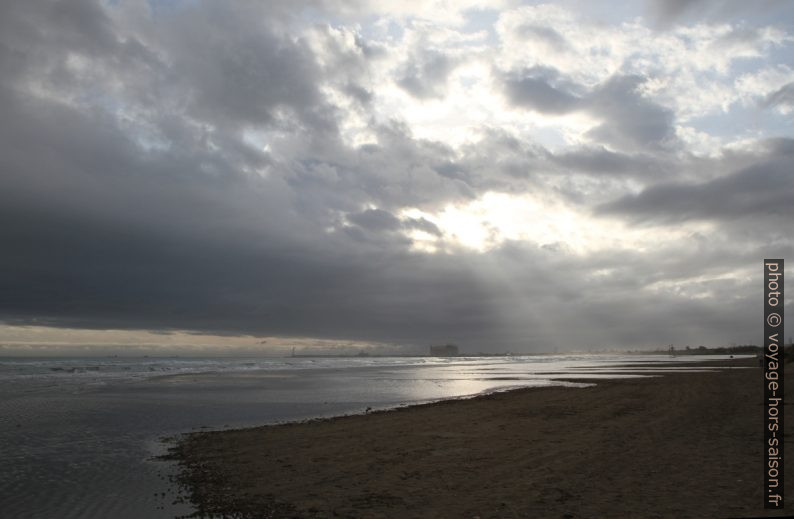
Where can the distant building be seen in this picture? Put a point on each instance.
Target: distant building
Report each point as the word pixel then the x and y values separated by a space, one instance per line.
pixel 447 350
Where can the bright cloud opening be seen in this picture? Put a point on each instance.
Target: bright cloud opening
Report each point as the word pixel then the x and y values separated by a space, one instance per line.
pixel 495 218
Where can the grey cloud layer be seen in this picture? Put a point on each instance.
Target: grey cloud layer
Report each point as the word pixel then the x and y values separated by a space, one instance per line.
pixel 630 120
pixel 136 191
pixel 760 193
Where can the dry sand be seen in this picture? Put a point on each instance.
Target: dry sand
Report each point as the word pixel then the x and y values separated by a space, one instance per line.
pixel 682 445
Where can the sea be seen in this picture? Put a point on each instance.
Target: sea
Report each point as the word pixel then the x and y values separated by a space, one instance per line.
pixel 81 437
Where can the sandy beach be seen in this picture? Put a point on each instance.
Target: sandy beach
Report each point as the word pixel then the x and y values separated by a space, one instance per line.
pixel 681 445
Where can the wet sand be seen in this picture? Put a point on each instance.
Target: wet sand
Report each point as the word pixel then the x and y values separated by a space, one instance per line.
pixel 681 445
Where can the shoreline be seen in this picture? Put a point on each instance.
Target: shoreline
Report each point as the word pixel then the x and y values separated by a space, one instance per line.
pixel 677 445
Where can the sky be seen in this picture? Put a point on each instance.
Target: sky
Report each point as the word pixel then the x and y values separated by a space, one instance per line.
pixel 504 175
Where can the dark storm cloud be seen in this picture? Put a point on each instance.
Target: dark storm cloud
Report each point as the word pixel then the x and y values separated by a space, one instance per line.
pixel 759 193
pixel 113 277
pixel 135 241
pixel 185 168
pixel 171 219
